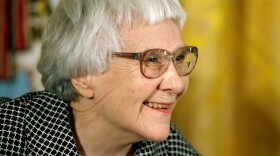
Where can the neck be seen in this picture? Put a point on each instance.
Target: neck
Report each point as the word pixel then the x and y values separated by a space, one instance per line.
pixel 96 137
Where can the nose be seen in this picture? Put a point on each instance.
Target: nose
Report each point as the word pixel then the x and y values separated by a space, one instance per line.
pixel 172 82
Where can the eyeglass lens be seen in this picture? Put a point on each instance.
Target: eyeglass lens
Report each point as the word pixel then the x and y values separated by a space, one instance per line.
pixel 156 61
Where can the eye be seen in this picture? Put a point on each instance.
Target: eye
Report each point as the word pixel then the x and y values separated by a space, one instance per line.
pixel 151 59
pixel 180 57
pixel 154 57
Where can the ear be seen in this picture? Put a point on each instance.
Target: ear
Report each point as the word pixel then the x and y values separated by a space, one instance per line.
pixel 83 86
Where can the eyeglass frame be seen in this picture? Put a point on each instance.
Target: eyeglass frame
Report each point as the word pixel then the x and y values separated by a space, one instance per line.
pixel 141 55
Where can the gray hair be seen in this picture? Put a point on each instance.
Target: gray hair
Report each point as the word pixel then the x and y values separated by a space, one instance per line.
pixel 81 34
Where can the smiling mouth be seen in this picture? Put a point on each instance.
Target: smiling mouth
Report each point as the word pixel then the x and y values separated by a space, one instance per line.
pixel 156 105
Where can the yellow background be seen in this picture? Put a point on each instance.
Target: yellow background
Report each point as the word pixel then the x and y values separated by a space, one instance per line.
pixel 232 106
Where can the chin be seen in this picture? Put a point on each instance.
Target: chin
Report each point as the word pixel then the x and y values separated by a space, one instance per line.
pixel 158 132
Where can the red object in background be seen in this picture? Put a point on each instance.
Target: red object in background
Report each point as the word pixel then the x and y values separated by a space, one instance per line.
pixel 4 38
pixel 15 34
pixel 20 27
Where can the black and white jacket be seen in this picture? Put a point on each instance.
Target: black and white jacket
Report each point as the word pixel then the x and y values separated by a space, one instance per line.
pixel 39 123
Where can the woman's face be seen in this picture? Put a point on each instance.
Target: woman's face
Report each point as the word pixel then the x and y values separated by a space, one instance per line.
pixel 126 100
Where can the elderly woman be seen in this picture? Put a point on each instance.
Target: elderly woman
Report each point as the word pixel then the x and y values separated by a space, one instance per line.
pixel 113 71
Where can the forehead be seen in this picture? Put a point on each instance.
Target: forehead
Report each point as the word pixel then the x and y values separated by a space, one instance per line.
pixel 163 35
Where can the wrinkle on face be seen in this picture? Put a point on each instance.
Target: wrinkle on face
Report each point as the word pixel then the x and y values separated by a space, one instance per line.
pixel 123 89
pixel 135 37
pixel 129 68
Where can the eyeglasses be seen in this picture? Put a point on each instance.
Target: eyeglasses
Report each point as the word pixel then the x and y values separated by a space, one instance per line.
pixel 154 62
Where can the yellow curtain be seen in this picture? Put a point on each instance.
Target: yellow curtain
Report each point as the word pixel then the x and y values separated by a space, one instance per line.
pixel 232 106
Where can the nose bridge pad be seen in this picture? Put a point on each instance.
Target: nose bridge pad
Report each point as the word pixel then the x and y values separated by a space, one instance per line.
pixel 166 65
pixel 172 57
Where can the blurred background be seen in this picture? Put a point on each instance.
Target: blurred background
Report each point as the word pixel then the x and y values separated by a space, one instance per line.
pixel 232 105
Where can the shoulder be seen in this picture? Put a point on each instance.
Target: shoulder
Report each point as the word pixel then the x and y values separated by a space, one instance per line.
pixel 32 98
pixel 12 119
pixel 30 106
pixel 24 98
pixel 27 102
pixel 17 112
pixel 4 99
pixel 175 144
pixel 37 118
pixel 14 108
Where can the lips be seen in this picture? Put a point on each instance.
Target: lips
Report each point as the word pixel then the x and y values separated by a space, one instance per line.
pixel 157 105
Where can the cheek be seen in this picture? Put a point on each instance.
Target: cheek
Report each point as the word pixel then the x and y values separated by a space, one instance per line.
pixel 148 86
pixel 134 92
pixel 133 83
pixel 185 81
pixel 127 86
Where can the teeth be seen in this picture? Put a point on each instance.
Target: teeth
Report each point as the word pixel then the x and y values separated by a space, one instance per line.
pixel 155 105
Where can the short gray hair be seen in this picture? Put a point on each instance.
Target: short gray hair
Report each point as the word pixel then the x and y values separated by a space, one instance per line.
pixel 81 34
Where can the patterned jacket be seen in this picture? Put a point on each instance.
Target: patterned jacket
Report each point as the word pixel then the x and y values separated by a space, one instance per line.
pixel 39 123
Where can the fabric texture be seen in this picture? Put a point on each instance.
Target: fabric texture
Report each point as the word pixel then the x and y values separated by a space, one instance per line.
pixel 39 123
